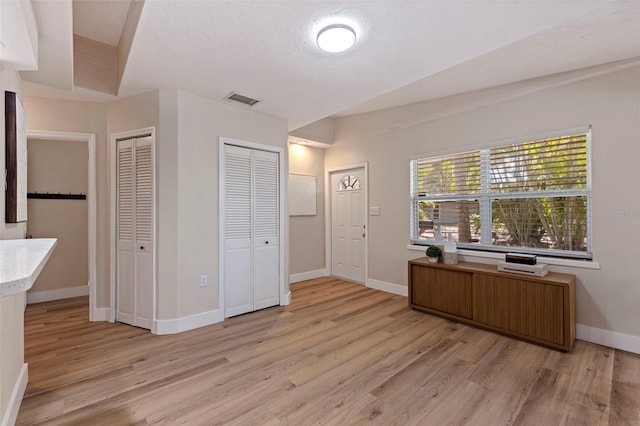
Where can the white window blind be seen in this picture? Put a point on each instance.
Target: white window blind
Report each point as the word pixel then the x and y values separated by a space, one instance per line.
pixel 532 197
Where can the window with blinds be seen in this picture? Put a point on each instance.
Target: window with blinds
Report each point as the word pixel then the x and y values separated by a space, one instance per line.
pixel 529 197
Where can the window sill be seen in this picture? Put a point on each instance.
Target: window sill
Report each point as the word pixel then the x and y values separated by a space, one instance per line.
pixel 500 256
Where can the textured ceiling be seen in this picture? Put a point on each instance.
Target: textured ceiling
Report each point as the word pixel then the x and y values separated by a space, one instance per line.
pixel 604 35
pixel 406 51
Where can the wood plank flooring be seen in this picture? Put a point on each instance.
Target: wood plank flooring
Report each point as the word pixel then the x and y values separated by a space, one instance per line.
pixel 340 354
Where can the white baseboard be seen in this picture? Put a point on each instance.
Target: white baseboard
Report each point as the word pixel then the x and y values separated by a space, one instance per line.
pixel 286 299
pixel 57 294
pixel 309 275
pixel 101 314
pixel 9 417
pixel 191 322
pixel 400 290
pixel 625 342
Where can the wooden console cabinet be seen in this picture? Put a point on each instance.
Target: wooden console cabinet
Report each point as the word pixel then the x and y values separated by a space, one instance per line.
pixel 539 310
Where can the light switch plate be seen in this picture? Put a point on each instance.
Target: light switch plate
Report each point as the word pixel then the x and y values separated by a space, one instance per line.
pixel 374 211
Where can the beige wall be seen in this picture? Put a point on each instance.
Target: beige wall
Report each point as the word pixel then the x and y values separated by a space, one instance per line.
pixel 306 233
pixel 82 117
pixel 11 346
pixel 187 131
pixel 11 307
pixel 130 114
pixel 319 131
pixel 102 119
pixel 59 166
pixel 201 122
pixel 607 298
pixel 188 128
pixel 133 113
pixel 167 218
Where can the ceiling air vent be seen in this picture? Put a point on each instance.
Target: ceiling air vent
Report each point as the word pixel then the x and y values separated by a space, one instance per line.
pixel 233 96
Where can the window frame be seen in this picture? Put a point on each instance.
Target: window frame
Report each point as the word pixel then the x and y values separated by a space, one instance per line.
pixel 485 196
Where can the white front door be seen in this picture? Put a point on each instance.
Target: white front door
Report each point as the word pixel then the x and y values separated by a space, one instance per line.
pixel 348 232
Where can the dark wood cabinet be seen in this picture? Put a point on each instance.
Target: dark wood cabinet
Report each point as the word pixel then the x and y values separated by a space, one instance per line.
pixel 537 309
pixel 443 290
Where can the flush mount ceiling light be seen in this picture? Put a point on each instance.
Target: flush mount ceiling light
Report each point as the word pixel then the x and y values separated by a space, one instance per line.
pixel 336 38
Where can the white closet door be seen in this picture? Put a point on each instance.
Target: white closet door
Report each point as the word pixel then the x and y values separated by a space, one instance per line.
pixel 252 236
pixel 134 232
pixel 125 216
pixel 266 235
pixel 238 276
pixel 144 233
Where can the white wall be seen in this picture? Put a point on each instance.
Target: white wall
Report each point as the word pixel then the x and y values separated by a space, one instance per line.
pixel 608 298
pixel 306 233
pixel 201 122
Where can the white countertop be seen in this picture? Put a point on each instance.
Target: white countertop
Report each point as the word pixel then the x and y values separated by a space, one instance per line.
pixel 21 262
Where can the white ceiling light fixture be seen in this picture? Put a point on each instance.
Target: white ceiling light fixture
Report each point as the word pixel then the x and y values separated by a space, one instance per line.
pixel 336 38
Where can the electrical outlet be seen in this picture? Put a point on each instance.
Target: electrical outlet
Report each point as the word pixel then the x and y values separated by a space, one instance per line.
pixel 203 281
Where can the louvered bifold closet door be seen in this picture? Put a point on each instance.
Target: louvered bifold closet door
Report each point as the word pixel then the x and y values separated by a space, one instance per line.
pixel 266 232
pixel 143 232
pixel 125 216
pixel 238 276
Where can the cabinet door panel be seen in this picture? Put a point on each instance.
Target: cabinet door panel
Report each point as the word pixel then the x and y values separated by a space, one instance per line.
pixel 491 301
pixel 540 310
pixel 442 290
pixel 525 307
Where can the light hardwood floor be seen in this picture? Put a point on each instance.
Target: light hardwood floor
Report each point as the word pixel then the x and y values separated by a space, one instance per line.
pixel 339 354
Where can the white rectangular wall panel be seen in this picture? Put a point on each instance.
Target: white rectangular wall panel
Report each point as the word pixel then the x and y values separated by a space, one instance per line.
pixel 302 194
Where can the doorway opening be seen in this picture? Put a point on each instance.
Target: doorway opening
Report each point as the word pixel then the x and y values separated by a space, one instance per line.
pixel 55 214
